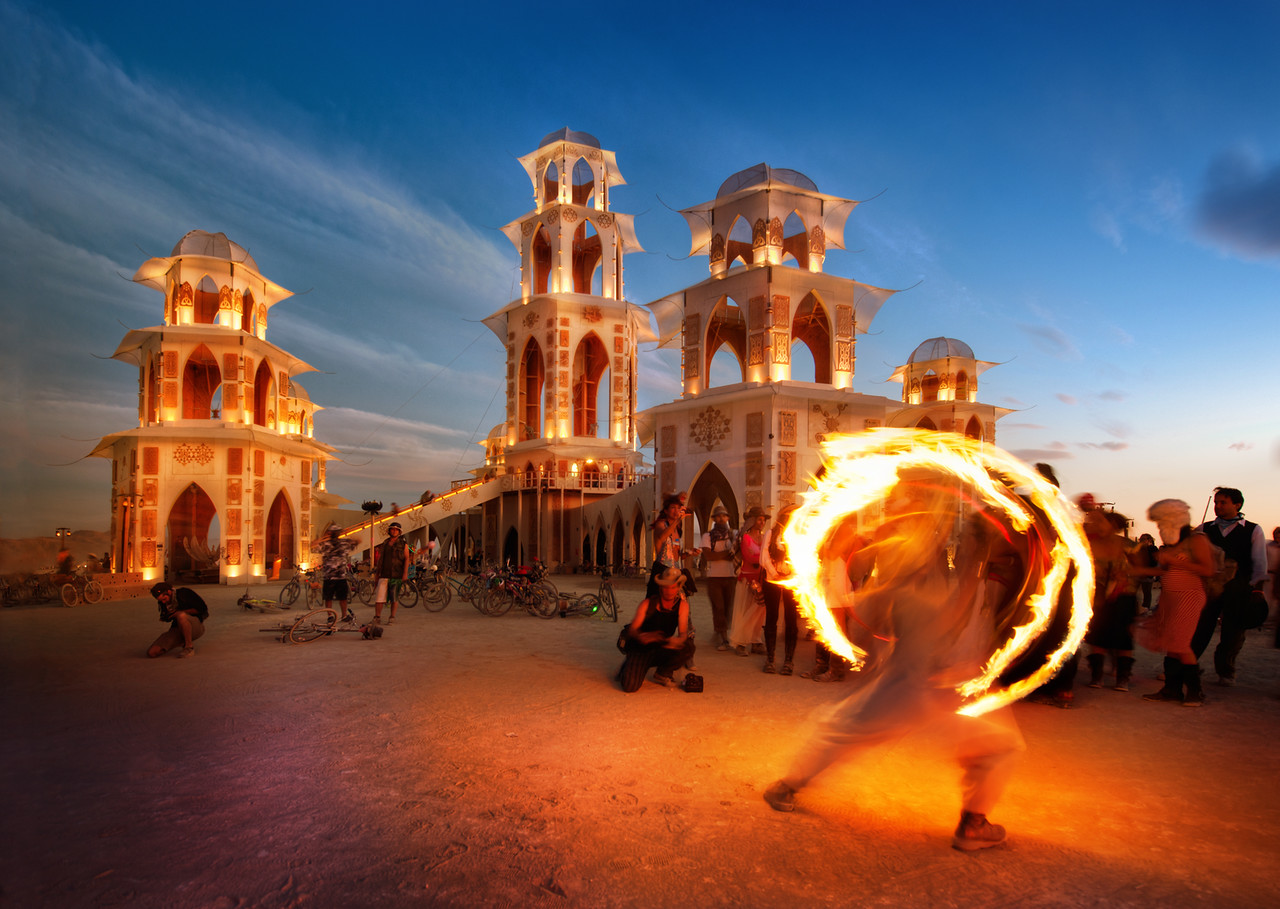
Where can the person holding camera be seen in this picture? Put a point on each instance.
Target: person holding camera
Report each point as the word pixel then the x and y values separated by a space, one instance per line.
pixel 668 551
pixel 186 614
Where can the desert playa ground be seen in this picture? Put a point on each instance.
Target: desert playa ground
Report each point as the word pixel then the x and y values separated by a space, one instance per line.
pixel 463 760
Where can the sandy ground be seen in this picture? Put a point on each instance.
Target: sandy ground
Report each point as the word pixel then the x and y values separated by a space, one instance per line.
pixel 471 761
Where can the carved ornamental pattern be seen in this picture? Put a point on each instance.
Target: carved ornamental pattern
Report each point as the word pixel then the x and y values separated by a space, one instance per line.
pixel 619 346
pixel 528 226
pixel 603 219
pixel 787 427
pixel 755 350
pixel 710 429
pixel 171 364
pixel 756 312
pixel 787 468
pixel 844 356
pixel 781 349
pixel 530 319
pixel 151 460
pixel 569 215
pixel 592 314
pixel 717 248
pixel 667 442
pixel 775 232
pixel 818 240
pixel 224 297
pixel 186 454
pixel 150 491
pixel 233 552
pixel 758 234
pixel 234 492
pixel 755 468
pixel 148 553
pixel 844 321
pixel 553 216
pixel 755 429
pixel 781 311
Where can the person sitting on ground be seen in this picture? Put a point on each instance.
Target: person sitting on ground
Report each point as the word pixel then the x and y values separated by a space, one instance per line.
pixel 658 635
pixel 186 614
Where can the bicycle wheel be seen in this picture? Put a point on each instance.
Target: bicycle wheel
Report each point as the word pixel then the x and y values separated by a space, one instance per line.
pixel 407 594
pixel 551 590
pixel 587 604
pixel 69 595
pixel 315 598
pixel 609 604
pixel 498 601
pixel 365 590
pixel 470 587
pixel 544 605
pixel 315 624
pixel 289 593
pixel 93 592
pixel 436 596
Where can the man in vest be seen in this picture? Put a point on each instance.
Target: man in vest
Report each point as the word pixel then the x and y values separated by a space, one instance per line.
pixel 1245 543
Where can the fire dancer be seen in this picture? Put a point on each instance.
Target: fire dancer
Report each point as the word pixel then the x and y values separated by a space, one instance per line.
pixel 923 606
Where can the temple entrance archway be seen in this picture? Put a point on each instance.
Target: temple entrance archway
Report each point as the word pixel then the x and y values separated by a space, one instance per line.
pixel 190 519
pixel 279 537
pixel 712 486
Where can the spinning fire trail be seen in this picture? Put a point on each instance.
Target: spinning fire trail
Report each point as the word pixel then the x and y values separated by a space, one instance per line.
pixel 895 508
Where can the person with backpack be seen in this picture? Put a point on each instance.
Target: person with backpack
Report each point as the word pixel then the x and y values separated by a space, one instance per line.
pixel 1245 544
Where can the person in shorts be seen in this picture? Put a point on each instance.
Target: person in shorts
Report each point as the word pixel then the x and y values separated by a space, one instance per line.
pixel 333 570
pixel 391 567
pixel 186 614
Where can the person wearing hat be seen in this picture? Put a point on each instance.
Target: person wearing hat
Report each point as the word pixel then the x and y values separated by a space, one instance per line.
pixel 717 553
pixel 186 613
pixel 391 568
pixel 658 636
pixel 746 629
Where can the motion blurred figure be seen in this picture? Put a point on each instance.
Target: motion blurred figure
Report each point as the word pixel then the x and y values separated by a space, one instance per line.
pixel 929 614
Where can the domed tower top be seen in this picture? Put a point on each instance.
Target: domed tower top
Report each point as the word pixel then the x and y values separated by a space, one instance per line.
pixel 210 279
pixel 762 215
pixel 940 369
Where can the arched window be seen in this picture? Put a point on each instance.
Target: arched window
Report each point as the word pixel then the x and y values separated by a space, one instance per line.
pixel 973 429
pixel 264 394
pixel 590 364
pixel 926 423
pixel 541 256
pixel 739 245
pixel 551 183
pixel 726 341
pixel 913 393
pixel 962 386
pixel 795 240
pixel 584 182
pixel 246 317
pixel 151 391
pixel 528 408
pixel 812 327
pixel 929 388
pixel 206 301
pixel 586 259
pixel 200 380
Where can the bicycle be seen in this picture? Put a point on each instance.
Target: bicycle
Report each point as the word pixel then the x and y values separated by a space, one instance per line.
pixel 289 594
pixel 319 623
pixel 437 587
pixel 81 587
pixel 602 604
pixel 513 590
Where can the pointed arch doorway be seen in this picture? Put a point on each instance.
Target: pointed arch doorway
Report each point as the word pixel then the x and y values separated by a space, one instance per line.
pixel 280 535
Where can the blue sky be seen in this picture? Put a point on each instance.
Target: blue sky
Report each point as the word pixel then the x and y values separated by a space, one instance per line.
pixel 1087 193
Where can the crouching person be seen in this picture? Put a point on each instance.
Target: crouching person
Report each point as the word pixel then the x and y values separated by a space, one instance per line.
pixel 658 636
pixel 186 614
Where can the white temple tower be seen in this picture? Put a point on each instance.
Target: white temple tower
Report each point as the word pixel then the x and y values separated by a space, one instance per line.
pixel 756 441
pixel 570 433
pixel 223 462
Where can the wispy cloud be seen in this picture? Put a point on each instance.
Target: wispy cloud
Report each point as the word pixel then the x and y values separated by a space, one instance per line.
pixel 1240 446
pixel 1070 400
pixel 1051 340
pixel 1104 446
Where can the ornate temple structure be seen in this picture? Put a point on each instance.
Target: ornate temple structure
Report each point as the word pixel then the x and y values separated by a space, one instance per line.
pixel 755 441
pixel 222 474
pixel 565 470
pixel 223 477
